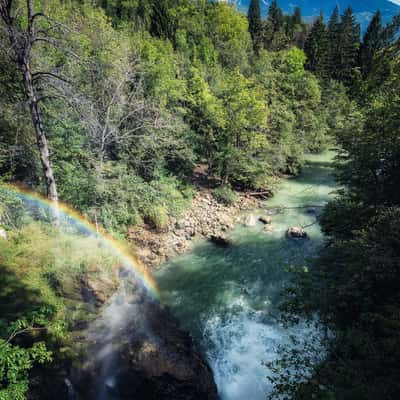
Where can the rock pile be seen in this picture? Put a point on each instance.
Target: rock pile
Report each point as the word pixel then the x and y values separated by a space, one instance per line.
pixel 205 219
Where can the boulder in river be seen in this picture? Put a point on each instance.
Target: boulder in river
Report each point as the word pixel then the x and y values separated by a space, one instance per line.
pixel 296 232
pixel 265 219
pixel 268 228
pixel 220 240
pixel 250 220
pixel 311 211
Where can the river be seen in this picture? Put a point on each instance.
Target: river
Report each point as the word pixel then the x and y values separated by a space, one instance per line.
pixel 227 297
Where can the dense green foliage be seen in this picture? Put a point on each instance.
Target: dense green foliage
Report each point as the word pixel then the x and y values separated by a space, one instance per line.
pixel 147 94
pixel 148 89
pixel 132 95
pixel 353 285
pixel 333 50
pixel 15 363
pixel 40 297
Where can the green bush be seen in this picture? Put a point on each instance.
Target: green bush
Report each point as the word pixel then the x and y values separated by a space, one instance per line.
pixel 225 195
pixel 171 193
pixel 157 217
pixel 41 288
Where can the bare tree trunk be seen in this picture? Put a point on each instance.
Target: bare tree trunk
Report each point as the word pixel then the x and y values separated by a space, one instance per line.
pixel 21 42
pixel 41 140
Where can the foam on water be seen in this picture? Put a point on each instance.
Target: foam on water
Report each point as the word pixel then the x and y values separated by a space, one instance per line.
pixel 239 346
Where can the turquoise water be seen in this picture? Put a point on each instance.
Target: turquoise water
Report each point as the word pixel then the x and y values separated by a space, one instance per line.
pixel 227 297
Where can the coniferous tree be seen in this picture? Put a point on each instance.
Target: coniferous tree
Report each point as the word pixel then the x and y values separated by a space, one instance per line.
pixel 297 18
pixel 296 29
pixel 334 41
pixel 275 35
pixel 371 43
pixel 334 21
pixel 162 25
pixel 390 31
pixel 255 24
pixel 275 16
pixel 349 44
pixel 316 48
pixel 385 51
pixel 143 13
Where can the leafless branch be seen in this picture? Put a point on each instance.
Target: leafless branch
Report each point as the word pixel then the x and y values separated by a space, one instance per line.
pixel 16 333
pixel 41 74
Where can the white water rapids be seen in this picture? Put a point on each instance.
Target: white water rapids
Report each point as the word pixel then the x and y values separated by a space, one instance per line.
pixel 227 298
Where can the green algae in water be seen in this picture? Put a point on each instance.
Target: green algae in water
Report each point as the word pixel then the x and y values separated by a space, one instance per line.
pixel 227 297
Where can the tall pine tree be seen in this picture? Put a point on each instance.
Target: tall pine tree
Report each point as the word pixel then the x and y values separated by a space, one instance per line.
pixel 162 22
pixel 297 18
pixel 275 35
pixel 334 42
pixel 372 42
pixel 275 16
pixel 255 25
pixel 316 48
pixel 296 28
pixel 349 44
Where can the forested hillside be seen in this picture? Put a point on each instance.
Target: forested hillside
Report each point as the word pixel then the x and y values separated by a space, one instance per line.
pixel 108 106
pixel 133 95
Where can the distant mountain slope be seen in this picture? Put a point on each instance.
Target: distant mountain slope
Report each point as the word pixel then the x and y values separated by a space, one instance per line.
pixel 363 9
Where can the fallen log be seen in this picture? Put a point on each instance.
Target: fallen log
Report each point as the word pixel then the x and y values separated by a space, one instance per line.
pixel 295 208
pixel 266 193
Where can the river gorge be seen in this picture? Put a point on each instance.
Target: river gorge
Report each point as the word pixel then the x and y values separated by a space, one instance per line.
pixel 210 322
pixel 227 297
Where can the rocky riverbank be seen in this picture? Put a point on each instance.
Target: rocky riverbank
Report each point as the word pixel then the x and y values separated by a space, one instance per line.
pixel 205 219
pixel 135 347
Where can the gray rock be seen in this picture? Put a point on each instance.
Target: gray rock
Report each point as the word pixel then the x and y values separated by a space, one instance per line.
pixel 268 228
pixel 250 220
pixel 180 225
pixel 265 219
pixel 296 232
pixel 220 240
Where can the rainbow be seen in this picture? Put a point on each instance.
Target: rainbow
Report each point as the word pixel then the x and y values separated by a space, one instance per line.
pixel 89 228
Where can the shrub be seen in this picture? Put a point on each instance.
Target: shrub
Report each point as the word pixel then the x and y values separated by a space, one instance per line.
pixel 157 217
pixel 169 192
pixel 224 194
pixel 40 287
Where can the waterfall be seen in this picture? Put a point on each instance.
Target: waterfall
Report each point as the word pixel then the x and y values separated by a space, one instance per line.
pixel 122 314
